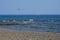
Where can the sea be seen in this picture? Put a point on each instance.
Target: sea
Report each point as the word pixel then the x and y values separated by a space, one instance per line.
pixel 39 23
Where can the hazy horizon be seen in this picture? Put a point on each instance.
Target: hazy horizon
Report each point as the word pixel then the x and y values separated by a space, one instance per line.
pixel 29 7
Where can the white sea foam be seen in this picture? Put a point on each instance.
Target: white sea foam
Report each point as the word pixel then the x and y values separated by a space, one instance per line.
pixel 31 20
pixel 4 20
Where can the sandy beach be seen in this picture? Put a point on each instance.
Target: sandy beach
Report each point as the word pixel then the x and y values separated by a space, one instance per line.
pixel 6 34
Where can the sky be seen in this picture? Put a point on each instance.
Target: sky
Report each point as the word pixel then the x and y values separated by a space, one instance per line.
pixel 30 7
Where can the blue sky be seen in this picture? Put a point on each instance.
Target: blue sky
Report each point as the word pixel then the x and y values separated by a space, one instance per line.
pixel 30 7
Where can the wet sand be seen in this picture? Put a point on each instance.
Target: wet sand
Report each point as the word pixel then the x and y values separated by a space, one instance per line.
pixel 6 34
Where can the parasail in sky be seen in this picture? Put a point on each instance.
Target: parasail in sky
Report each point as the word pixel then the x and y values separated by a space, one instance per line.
pixel 19 9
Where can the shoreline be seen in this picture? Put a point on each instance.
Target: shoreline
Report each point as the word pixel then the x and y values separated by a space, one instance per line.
pixel 7 34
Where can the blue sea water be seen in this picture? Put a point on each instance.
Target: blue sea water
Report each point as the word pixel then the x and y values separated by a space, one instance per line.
pixel 42 23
